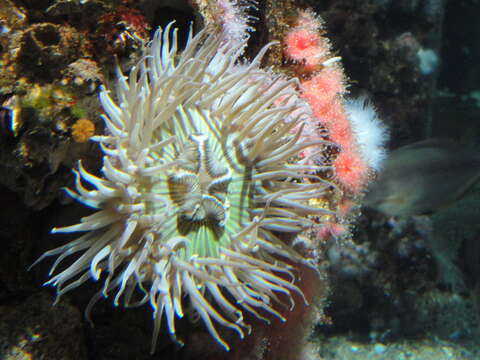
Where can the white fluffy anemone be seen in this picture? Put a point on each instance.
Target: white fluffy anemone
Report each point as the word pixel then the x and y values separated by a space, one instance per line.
pixel 198 188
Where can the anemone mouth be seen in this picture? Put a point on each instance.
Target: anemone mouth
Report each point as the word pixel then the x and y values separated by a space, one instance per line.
pixel 198 181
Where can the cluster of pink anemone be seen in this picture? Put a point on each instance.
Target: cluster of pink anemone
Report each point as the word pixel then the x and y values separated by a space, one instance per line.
pixel 323 87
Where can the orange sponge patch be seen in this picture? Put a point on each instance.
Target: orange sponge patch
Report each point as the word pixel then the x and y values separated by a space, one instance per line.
pixel 83 130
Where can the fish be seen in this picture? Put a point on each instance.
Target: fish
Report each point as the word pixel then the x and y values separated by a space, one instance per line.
pixel 424 177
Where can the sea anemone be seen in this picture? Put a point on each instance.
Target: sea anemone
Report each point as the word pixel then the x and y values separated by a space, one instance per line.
pixel 202 192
